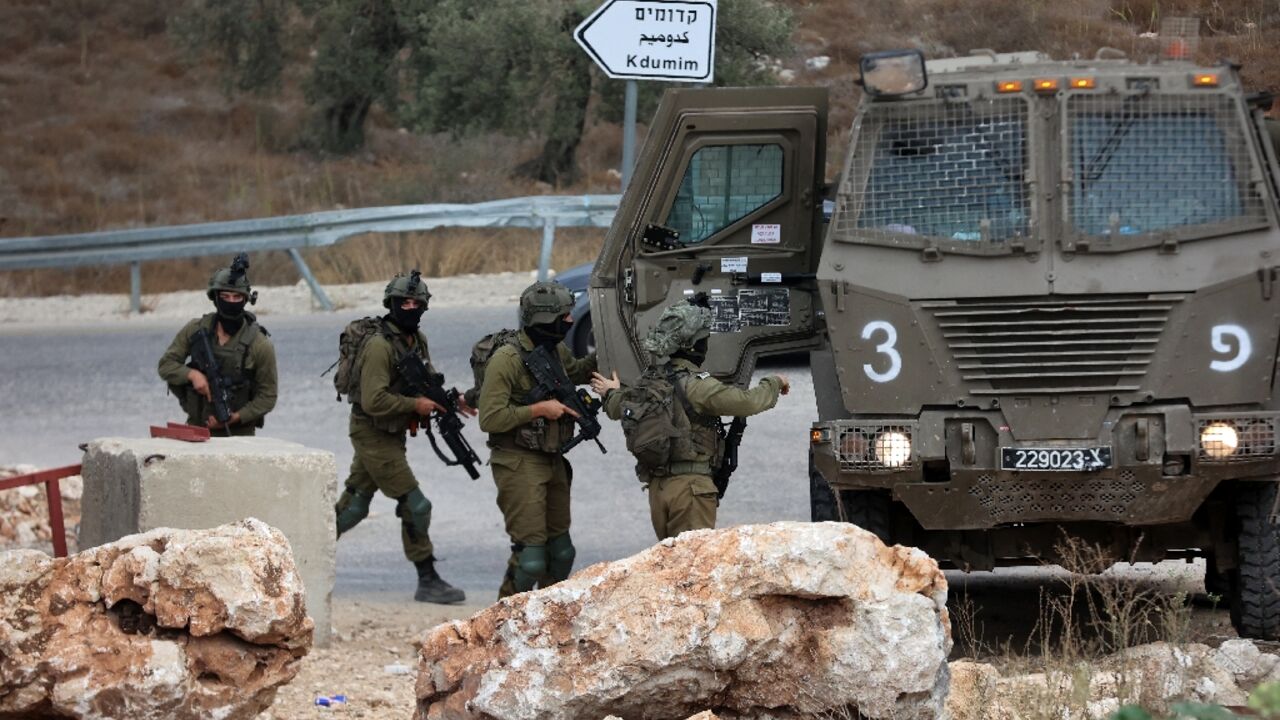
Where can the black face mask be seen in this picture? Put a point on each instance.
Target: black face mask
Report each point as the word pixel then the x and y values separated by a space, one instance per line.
pixel 549 333
pixel 407 320
pixel 697 354
pixel 230 314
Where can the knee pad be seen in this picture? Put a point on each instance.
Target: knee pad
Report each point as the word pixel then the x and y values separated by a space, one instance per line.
pixel 414 510
pixel 560 555
pixel 531 566
pixel 352 507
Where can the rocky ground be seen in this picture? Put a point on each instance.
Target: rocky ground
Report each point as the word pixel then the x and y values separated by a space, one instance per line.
pixel 373 660
pixel 24 514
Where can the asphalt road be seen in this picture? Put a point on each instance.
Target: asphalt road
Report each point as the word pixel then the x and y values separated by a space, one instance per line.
pixel 60 387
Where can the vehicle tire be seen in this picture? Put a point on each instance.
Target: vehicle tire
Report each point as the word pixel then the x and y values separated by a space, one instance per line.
pixel 1255 600
pixel 822 502
pixel 584 338
pixel 870 510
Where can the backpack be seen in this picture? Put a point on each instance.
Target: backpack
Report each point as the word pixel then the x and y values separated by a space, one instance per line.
pixel 352 339
pixel 651 421
pixel 481 353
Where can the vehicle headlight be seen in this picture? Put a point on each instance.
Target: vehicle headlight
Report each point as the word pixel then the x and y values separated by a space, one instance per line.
pixel 893 449
pixel 1219 440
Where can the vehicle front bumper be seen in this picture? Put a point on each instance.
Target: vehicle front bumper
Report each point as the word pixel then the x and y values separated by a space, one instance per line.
pixel 952 479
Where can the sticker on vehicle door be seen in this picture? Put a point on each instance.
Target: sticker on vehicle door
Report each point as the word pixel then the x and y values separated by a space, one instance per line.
pixel 750 307
pixel 733 264
pixel 766 234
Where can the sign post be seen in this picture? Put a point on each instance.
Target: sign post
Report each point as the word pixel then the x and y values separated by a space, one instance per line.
pixel 671 40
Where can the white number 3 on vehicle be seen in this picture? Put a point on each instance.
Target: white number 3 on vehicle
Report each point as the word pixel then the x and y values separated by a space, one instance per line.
pixel 885 348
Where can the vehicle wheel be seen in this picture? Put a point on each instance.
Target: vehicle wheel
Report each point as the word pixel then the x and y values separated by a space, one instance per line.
pixel 869 510
pixel 822 502
pixel 1255 600
pixel 584 338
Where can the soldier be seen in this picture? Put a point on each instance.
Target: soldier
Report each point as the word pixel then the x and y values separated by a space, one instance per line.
pixel 531 473
pixel 682 495
pixel 380 417
pixel 245 357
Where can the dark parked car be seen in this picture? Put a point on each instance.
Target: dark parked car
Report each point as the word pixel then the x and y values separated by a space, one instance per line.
pixel 580 339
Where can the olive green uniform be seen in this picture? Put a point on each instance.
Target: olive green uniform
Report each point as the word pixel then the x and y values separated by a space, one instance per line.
pixel 682 495
pixel 532 475
pixel 380 419
pixel 247 361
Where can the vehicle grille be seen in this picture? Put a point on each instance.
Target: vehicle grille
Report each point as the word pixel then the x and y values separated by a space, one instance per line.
pixel 1021 498
pixel 1053 344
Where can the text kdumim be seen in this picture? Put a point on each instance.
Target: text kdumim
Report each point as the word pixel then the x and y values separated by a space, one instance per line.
pixel 648 62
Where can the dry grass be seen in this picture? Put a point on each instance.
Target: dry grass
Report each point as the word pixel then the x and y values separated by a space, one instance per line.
pixel 437 254
pixel 1090 616
pixel 104 125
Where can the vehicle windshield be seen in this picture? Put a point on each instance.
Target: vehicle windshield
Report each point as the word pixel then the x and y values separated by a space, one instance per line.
pixel 951 172
pixel 1151 163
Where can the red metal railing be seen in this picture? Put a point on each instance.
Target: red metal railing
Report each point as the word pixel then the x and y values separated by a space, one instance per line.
pixel 49 478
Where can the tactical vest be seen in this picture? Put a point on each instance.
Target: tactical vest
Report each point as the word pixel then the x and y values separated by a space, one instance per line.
pixel 233 361
pixel 700 445
pixel 540 434
pixel 399 347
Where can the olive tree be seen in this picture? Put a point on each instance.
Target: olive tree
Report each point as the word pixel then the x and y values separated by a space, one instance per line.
pixel 457 66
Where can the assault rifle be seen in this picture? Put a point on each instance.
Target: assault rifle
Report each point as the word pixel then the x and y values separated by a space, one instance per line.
pixel 729 461
pixel 203 359
pixel 551 383
pixel 420 382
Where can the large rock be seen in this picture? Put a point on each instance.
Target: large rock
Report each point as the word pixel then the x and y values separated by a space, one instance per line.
pixel 133 485
pixel 782 620
pixel 168 624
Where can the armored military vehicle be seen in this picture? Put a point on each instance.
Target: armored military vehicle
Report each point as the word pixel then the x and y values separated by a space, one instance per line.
pixel 1046 302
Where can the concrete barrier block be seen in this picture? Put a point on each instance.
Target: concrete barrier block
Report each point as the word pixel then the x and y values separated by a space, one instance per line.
pixel 133 485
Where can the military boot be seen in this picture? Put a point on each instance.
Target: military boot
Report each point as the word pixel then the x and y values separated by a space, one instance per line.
pixel 432 588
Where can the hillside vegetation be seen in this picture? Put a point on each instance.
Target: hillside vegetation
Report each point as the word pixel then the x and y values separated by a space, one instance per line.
pixel 106 123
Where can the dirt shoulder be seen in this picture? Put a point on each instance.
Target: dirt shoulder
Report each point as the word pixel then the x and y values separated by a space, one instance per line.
pixel 372 638
pixel 273 301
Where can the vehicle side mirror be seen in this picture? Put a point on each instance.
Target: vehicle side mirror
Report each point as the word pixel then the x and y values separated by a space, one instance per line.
pixel 893 73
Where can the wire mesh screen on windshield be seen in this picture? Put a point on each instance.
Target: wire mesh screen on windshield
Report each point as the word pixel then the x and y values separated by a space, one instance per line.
pixel 951 171
pixel 1148 163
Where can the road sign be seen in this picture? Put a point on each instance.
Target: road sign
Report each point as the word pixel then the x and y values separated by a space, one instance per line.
pixel 652 39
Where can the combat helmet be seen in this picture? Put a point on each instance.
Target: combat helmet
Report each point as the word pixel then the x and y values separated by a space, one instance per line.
pixel 233 278
pixel 406 286
pixel 544 302
pixel 679 327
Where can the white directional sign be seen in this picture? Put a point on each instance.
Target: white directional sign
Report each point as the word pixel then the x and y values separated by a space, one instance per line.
pixel 652 39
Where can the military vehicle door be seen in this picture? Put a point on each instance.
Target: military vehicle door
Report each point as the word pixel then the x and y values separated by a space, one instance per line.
pixel 726 200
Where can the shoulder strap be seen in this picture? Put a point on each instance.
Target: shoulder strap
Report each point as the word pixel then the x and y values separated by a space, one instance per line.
pixel 678 379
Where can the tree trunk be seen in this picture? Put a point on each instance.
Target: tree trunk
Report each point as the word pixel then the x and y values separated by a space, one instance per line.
pixel 344 124
pixel 557 164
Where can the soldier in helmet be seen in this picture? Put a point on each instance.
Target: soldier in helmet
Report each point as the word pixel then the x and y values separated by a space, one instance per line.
pixel 531 473
pixel 380 418
pixel 682 495
pixel 244 353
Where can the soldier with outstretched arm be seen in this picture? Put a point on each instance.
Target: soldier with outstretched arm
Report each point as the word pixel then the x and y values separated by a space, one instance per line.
pixel 682 492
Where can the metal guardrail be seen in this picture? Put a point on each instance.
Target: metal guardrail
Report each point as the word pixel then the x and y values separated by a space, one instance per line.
pixel 292 232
